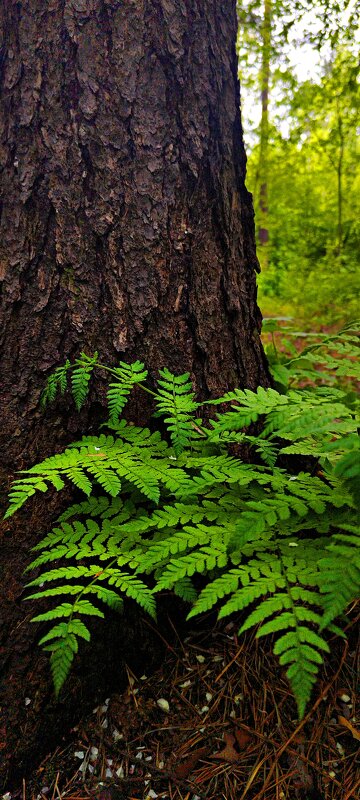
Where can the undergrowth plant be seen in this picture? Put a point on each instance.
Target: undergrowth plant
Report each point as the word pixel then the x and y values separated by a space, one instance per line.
pixel 278 546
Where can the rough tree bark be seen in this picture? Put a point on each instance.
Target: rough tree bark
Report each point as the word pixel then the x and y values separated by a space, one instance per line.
pixel 125 225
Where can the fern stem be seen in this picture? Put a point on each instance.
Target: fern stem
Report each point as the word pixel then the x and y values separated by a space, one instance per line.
pixel 113 372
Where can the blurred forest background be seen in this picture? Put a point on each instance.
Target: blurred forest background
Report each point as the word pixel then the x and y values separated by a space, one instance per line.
pixel 299 73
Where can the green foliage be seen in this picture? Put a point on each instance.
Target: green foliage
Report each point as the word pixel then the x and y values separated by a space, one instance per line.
pixel 306 157
pixel 127 375
pixel 276 544
pixel 175 402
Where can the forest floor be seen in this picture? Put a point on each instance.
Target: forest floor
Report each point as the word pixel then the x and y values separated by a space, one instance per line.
pixel 215 721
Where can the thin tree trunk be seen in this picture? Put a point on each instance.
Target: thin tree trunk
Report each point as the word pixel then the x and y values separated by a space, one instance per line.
pixel 339 176
pixel 125 227
pixel 263 222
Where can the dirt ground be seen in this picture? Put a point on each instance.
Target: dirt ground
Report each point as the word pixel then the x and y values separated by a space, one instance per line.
pixel 215 720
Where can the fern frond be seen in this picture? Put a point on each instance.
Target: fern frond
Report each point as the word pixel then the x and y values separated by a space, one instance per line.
pixel 175 402
pixel 62 652
pixel 340 573
pixel 67 609
pixel 127 375
pixel 203 560
pixel 102 507
pixel 347 467
pixel 186 590
pixel 63 629
pixel 308 419
pixel 81 374
pixel 300 648
pixel 57 380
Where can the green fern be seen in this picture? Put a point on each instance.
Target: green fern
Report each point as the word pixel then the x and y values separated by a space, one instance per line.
pixel 80 378
pixel 279 550
pixel 175 402
pixel 340 572
pixel 290 608
pixel 57 380
pixel 127 375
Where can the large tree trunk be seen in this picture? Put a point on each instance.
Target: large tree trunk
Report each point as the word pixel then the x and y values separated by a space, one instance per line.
pixel 125 225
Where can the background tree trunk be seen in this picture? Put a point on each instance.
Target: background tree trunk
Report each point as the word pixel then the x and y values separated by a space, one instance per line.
pixel 125 226
pixel 263 166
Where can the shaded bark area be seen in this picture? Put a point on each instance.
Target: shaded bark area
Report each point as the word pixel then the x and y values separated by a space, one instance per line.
pixel 125 226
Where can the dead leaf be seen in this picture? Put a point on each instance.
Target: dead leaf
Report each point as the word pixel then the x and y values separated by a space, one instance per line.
pixel 302 778
pixel 228 753
pixel 187 766
pixel 346 724
pixel 243 738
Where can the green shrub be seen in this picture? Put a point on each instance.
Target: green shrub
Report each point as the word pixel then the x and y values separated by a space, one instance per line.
pixel 279 545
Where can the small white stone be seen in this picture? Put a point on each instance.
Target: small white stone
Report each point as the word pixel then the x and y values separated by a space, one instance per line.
pixel 143 678
pixel 163 704
pixel 109 762
pixel 117 735
pixel 232 714
pixel 152 794
pixel 332 774
pixel 79 754
pixel 204 710
pixel 185 684
pixel 6 796
pixel 104 723
pixel 148 758
pixel 208 696
pixel 120 772
pixel 340 748
pixel 94 752
pixel 161 765
pixel 108 773
pixel 91 768
pixel 217 659
pixel 27 701
pixel 345 698
pixel 200 659
pixel 139 756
